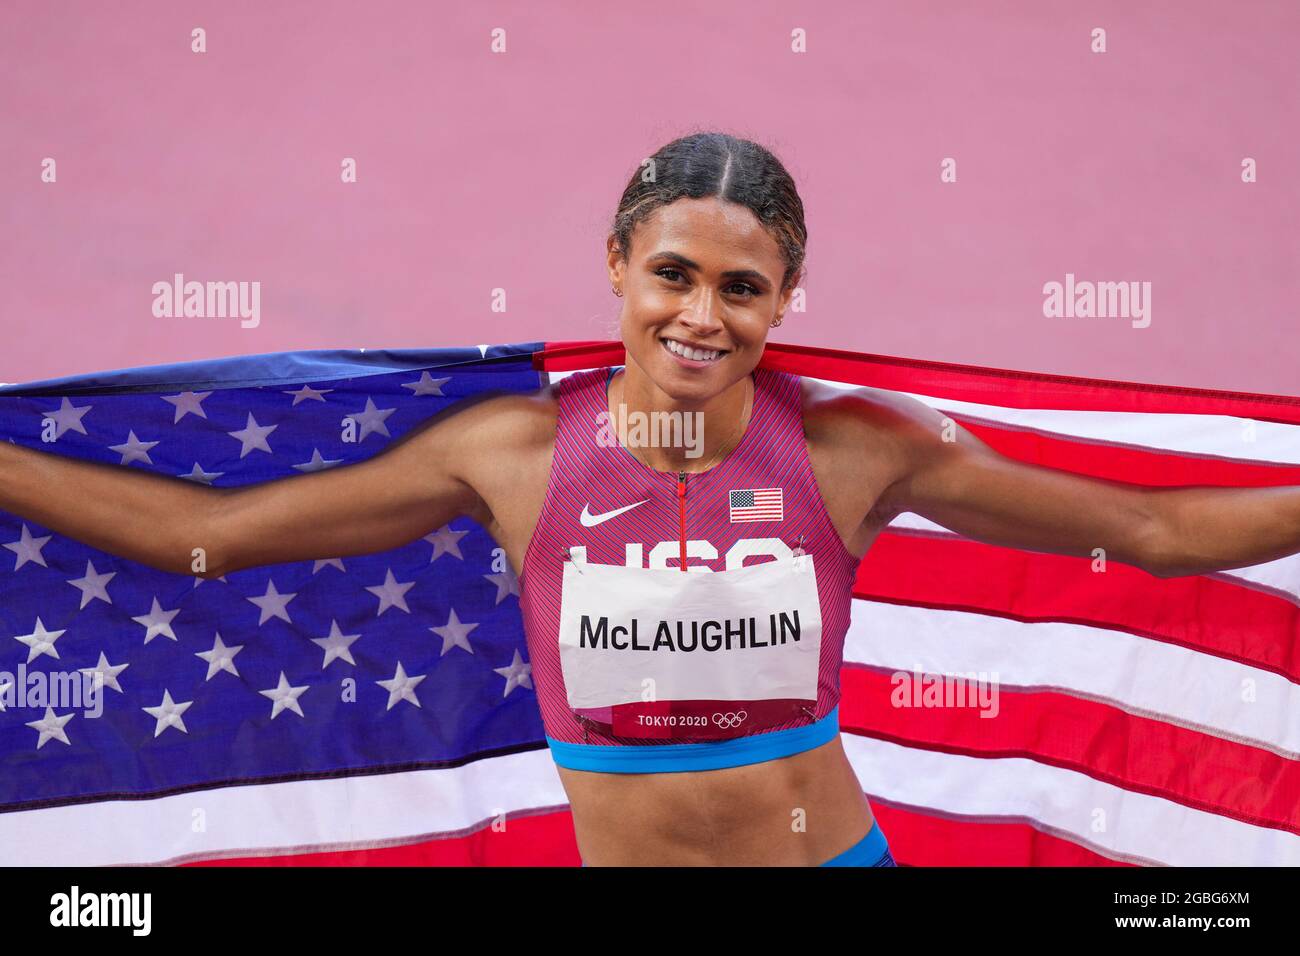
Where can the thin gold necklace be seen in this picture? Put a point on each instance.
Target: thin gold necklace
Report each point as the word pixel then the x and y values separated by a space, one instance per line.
pixel 749 401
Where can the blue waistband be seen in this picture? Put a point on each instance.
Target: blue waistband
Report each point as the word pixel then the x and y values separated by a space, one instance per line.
pixel 665 758
pixel 869 851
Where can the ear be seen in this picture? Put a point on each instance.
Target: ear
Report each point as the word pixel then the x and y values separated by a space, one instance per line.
pixel 614 261
pixel 783 300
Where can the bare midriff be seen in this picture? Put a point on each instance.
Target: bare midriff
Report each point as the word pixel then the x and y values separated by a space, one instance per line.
pixel 795 811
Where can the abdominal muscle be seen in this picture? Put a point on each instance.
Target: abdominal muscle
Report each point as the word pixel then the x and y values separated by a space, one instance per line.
pixel 795 811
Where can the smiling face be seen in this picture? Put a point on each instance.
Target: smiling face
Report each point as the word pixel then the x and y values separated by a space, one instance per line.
pixel 701 287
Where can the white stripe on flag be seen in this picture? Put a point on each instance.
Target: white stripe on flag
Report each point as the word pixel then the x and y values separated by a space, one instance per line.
pixel 1139 675
pixel 1218 435
pixel 1117 823
pixel 1281 576
pixel 260 819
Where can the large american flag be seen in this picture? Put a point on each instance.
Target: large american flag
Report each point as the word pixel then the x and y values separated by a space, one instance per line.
pixel 380 709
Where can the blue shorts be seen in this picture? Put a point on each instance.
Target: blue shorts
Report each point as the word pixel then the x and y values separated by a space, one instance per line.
pixel 871 850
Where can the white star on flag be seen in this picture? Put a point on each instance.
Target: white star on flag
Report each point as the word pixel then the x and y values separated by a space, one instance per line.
pixel 328 563
pixel 454 633
pixel 427 385
pixel 168 714
pixel 93 585
pixel 372 420
pixel 336 645
pixel 66 417
pixel 134 450
pixel 401 687
pixel 272 604
pixel 307 392
pixel 157 621
pixel 40 641
pixel 445 541
pixel 220 658
pixel 518 674
pixel 51 726
pixel 391 593
pixel 29 549
pixel 105 674
pixel 284 697
pixel 253 436
pixel 201 476
pixel 317 463
pixel 507 583
pixel 187 402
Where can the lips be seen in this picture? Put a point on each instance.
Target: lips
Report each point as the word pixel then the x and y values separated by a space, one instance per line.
pixel 692 355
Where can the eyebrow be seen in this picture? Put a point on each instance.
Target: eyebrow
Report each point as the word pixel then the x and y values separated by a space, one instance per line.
pixel 729 274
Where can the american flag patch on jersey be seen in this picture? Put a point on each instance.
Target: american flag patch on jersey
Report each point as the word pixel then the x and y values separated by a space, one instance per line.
pixel 757 504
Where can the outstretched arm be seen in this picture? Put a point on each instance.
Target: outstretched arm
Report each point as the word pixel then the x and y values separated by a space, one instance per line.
pixel 411 488
pixel 966 486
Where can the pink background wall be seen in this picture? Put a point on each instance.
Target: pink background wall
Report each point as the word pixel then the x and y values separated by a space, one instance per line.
pixel 479 171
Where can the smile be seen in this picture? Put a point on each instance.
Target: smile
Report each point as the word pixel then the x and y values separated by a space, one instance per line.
pixel 692 355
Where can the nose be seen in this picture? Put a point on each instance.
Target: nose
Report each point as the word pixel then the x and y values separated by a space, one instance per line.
pixel 703 315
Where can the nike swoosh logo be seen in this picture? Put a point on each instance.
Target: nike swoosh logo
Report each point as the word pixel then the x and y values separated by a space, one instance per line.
pixel 590 520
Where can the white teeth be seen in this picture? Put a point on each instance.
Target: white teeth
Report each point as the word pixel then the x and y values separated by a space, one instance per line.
pixel 698 355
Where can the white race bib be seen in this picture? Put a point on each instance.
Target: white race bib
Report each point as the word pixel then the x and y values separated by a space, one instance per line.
pixel 663 653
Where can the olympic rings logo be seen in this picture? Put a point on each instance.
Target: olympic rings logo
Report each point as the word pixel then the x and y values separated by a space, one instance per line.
pixel 728 721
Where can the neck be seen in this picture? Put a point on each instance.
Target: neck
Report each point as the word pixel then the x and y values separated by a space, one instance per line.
pixel 668 434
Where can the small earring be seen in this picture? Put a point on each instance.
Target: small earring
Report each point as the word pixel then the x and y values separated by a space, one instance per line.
pixel 617 291
pixel 777 322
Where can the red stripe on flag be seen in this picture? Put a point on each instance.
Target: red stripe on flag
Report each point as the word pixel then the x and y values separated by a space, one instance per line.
pixel 915 839
pixel 572 356
pixel 1238 623
pixel 1133 465
pixel 1010 388
pixel 1142 754
pixel 923 839
pixel 541 839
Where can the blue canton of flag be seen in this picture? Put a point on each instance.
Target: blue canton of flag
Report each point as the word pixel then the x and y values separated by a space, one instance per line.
pixel 413 658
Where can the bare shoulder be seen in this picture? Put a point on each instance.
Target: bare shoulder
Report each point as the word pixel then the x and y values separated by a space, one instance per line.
pixel 864 440
pixel 855 407
pixel 491 453
pixel 838 417
pixel 511 420
pixel 481 439
pixel 505 447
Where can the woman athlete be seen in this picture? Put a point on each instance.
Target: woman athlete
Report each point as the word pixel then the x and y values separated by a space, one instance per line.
pixel 706 250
